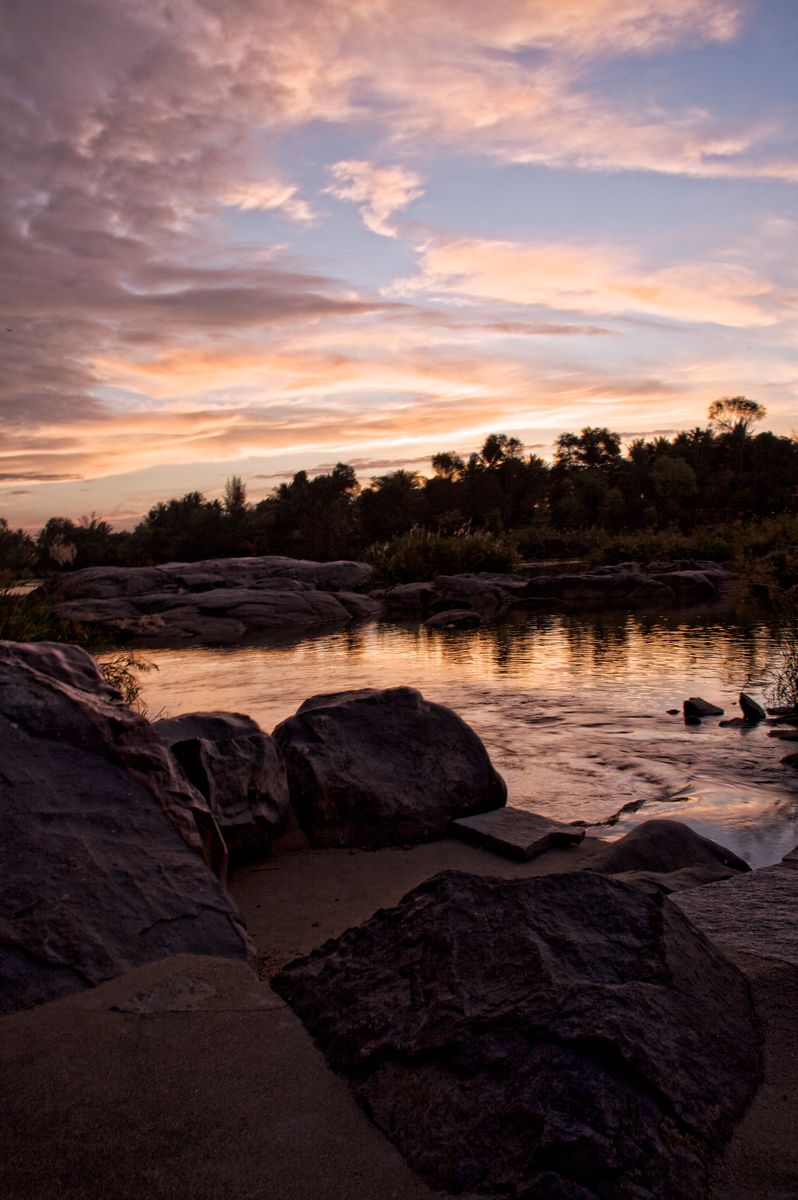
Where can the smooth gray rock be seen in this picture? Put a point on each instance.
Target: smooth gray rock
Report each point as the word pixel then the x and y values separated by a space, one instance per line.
pixel 383 767
pixel 515 833
pixel 664 846
pixel 479 593
pixel 101 860
pixel 214 602
pixel 752 709
pixel 561 1036
pixel 697 707
pixel 756 913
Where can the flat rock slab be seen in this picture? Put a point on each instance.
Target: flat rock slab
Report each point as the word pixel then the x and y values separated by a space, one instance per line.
pixel 515 833
pixel 756 913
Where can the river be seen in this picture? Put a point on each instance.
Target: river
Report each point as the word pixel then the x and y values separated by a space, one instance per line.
pixel 572 709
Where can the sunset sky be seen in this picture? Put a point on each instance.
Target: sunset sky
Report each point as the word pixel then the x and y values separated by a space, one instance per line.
pixel 249 236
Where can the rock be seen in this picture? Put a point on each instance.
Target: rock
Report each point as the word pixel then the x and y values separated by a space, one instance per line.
pixel 380 768
pixel 408 599
pixel 454 618
pixel 691 587
pixel 734 723
pixel 753 711
pixel 239 771
pixel 755 913
pixel 666 882
pixel 691 719
pixel 790 760
pixel 101 865
pixel 784 735
pixel 673 712
pixel 215 726
pixel 216 601
pixel 478 593
pixel 560 1036
pixel 696 707
pixel 515 833
pixel 357 605
pixel 624 590
pixel 665 846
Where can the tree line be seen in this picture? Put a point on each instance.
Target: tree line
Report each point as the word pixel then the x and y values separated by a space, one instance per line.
pixel 710 474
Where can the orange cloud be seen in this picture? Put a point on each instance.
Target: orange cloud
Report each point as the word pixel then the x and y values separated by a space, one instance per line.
pixel 591 279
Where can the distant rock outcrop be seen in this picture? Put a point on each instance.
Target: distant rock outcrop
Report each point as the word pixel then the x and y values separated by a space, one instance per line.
pixel 382 767
pixel 101 860
pixel 566 1037
pixel 218 601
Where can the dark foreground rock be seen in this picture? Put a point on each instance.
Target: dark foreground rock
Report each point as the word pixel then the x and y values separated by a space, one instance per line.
pixel 560 1038
pixel 755 913
pixel 381 767
pixel 239 771
pixel 753 712
pixel 101 865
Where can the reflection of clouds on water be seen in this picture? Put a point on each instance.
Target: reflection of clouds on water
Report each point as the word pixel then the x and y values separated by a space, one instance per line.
pixel 572 709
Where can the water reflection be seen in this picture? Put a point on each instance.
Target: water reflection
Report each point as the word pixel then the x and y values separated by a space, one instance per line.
pixel 572 709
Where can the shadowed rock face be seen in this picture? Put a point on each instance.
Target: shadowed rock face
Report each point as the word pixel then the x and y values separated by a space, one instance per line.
pixel 378 768
pixel 101 864
pixel 565 1036
pixel 239 771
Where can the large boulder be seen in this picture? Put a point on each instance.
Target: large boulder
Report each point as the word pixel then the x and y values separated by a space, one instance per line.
pixel 101 860
pixel 239 771
pixel 382 767
pixel 566 1037
pixel 755 913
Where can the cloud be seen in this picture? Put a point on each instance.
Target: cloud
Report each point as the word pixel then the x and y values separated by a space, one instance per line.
pixel 269 195
pixel 380 192
pixel 600 279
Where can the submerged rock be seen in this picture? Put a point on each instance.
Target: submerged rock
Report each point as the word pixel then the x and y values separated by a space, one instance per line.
pixel 379 768
pixel 561 1036
pixel 101 865
pixel 752 709
pixel 454 618
pixel 697 707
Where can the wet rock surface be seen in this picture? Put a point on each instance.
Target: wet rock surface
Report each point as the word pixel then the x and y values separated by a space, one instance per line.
pixel 563 1036
pixel 101 861
pixel 382 767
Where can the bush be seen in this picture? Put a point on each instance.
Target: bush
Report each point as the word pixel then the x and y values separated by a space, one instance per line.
pixel 421 554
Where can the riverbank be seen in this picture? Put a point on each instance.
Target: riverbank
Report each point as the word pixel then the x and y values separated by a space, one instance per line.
pixel 190 1078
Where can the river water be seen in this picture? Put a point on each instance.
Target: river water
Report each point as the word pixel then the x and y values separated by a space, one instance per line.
pixel 572 709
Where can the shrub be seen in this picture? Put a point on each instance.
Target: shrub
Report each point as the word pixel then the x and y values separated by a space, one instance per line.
pixel 422 554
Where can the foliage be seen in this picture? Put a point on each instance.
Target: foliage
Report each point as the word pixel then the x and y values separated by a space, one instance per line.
pixel 784 689
pixel 29 619
pixel 122 672
pixel 423 554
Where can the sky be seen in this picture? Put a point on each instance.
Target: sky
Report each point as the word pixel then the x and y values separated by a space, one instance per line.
pixel 256 236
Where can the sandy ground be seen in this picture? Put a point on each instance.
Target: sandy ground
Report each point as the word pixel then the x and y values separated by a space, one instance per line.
pixel 191 1080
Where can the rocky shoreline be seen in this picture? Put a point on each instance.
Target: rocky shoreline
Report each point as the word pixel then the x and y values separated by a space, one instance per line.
pixel 222 601
pixel 577 1014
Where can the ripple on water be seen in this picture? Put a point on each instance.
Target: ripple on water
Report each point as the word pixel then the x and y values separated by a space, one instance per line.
pixel 572 709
